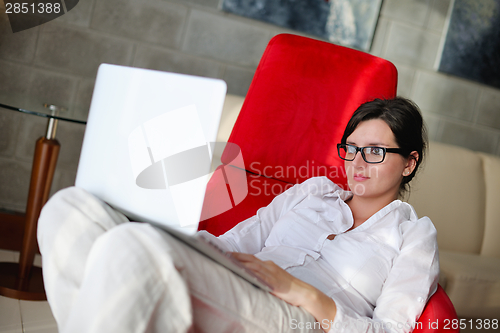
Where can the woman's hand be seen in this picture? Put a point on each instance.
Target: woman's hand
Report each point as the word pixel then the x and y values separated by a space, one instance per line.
pixel 292 290
pixel 283 284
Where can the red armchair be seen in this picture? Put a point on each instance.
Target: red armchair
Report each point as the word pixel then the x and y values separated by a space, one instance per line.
pixel 439 315
pixel 303 93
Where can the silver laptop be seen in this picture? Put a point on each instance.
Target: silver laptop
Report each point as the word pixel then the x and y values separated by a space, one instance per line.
pixel 148 148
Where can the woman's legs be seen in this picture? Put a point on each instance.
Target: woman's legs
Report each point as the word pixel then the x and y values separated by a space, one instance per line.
pixel 69 224
pixel 133 278
pixel 224 302
pixel 99 278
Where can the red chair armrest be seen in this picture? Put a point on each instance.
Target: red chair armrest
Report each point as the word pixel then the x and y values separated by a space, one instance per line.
pixel 438 315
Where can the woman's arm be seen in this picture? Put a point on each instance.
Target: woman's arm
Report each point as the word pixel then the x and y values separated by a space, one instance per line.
pixel 412 280
pixel 413 277
pixel 292 290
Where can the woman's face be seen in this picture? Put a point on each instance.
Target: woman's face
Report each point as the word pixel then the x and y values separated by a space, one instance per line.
pixel 381 180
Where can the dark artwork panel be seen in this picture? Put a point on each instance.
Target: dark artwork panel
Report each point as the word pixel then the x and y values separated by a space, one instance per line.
pixel 346 22
pixel 472 46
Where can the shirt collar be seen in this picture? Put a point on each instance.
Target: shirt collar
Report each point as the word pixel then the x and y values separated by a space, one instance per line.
pixel 338 192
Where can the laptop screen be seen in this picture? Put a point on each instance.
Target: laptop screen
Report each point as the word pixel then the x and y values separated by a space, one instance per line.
pixel 146 148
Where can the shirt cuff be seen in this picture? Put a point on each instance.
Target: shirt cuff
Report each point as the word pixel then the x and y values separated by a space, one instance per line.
pixel 215 240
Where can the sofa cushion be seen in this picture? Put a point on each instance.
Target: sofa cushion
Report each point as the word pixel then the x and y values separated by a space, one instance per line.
pixel 491 244
pixel 450 190
pixel 472 283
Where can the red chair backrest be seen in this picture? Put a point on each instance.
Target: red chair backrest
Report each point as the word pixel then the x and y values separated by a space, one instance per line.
pixel 302 95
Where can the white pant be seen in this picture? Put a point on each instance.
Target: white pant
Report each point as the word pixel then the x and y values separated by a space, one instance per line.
pixel 104 274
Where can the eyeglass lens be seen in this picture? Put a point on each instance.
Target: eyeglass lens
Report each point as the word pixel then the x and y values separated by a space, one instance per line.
pixel 370 154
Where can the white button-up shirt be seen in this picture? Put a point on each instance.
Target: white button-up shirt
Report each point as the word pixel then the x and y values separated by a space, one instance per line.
pixel 380 274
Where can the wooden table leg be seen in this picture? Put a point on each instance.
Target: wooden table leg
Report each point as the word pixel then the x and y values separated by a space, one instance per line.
pixel 23 280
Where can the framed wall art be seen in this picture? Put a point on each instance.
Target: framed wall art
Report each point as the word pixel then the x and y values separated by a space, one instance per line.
pixel 346 22
pixel 471 42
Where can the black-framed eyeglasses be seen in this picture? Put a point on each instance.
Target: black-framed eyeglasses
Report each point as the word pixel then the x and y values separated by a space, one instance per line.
pixel 371 154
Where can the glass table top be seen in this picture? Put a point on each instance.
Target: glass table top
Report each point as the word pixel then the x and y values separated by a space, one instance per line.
pixel 46 110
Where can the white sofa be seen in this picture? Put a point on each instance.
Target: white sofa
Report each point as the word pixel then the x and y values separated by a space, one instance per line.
pixel 460 191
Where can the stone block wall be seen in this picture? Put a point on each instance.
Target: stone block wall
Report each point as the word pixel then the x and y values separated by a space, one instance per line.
pixel 57 63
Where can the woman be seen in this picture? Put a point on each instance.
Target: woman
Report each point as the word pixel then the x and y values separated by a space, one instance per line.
pixel 337 260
